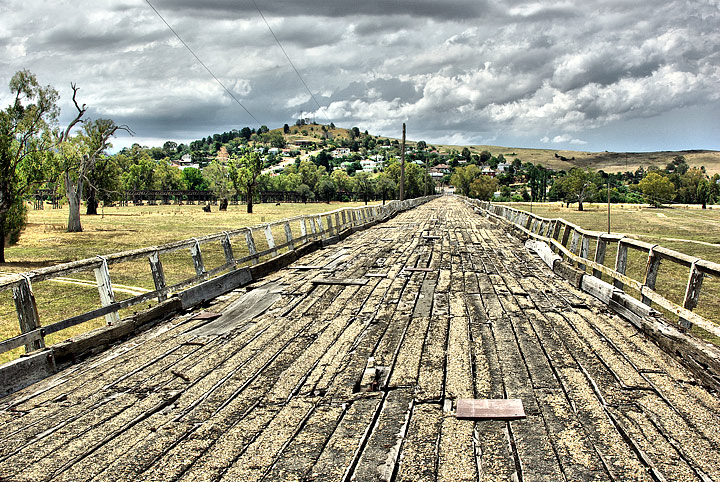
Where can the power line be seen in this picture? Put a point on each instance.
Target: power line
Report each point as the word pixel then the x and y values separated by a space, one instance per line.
pixel 321 108
pixel 202 63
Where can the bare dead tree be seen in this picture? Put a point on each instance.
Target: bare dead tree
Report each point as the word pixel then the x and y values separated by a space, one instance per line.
pixel 80 154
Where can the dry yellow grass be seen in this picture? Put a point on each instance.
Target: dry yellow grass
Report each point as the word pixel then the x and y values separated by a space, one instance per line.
pixel 687 229
pixel 45 242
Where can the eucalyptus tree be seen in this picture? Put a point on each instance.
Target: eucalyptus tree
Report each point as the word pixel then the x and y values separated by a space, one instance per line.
pixel 25 147
pixel 78 154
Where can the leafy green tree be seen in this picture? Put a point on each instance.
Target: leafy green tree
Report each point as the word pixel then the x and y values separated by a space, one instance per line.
pixel 364 184
pixel 170 148
pixel 103 183
pixel 194 179
pixel 137 173
pixel 246 133
pixel 657 189
pixel 463 177
pixel 218 178
pixel 167 176
pixel 327 189
pixel 25 146
pixel 483 187
pixel 579 185
pixel 385 186
pixel 309 173
pixel 305 192
pixel 343 181
pixel 703 193
pixel 247 169
pixel 15 222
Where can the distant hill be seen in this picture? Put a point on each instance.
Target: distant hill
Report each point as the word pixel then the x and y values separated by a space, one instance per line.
pixel 555 159
pixel 607 161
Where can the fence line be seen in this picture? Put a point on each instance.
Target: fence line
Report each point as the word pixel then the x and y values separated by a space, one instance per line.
pixel 322 226
pixel 572 242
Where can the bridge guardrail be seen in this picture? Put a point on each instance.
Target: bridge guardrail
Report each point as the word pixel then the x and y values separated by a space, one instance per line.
pixel 573 243
pixel 311 228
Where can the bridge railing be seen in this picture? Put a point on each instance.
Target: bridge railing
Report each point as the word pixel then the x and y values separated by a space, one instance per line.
pixel 574 244
pixel 240 247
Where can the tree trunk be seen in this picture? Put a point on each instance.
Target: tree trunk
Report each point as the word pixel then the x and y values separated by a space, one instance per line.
pixel 249 200
pixel 2 237
pixel 73 195
pixel 92 203
pixel 580 206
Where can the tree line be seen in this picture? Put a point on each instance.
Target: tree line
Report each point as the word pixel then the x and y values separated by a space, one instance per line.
pixel 676 183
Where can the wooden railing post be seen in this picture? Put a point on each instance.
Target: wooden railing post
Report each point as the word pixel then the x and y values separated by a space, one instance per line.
pixel 318 219
pixel 574 243
pixel 27 313
pixel 584 250
pixel 196 254
pixel 303 229
pixel 621 263
pixel 566 235
pixel 555 227
pixel 289 236
pixel 270 239
pixel 337 223
pixel 227 248
pixel 692 292
pixel 107 297
pixel 158 274
pixel 651 272
pixel 330 225
pixel 600 250
pixel 252 250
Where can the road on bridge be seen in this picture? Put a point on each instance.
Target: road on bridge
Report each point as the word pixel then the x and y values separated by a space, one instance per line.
pixel 348 366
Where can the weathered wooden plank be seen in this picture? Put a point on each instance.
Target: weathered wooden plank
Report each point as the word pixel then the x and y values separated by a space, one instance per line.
pixel 380 455
pixel 337 457
pixel 419 452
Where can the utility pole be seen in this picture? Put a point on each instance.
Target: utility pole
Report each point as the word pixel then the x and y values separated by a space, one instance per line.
pixel 425 181
pixel 402 166
pixel 608 199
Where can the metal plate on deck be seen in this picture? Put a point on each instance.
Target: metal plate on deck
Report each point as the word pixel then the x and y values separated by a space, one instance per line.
pixel 490 409
pixel 340 281
pixel 423 270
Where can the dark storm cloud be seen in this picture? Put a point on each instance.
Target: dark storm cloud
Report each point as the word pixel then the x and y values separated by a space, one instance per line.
pixel 455 71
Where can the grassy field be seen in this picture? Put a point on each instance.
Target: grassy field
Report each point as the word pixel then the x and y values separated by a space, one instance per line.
pixel 689 230
pixel 45 242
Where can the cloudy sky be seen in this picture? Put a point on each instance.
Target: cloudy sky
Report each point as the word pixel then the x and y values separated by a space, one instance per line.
pixel 618 75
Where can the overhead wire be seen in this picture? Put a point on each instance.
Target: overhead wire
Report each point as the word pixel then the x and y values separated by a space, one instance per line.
pixel 202 63
pixel 297 72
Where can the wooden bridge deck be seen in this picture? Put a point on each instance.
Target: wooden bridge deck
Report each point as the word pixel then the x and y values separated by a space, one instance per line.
pixel 278 395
